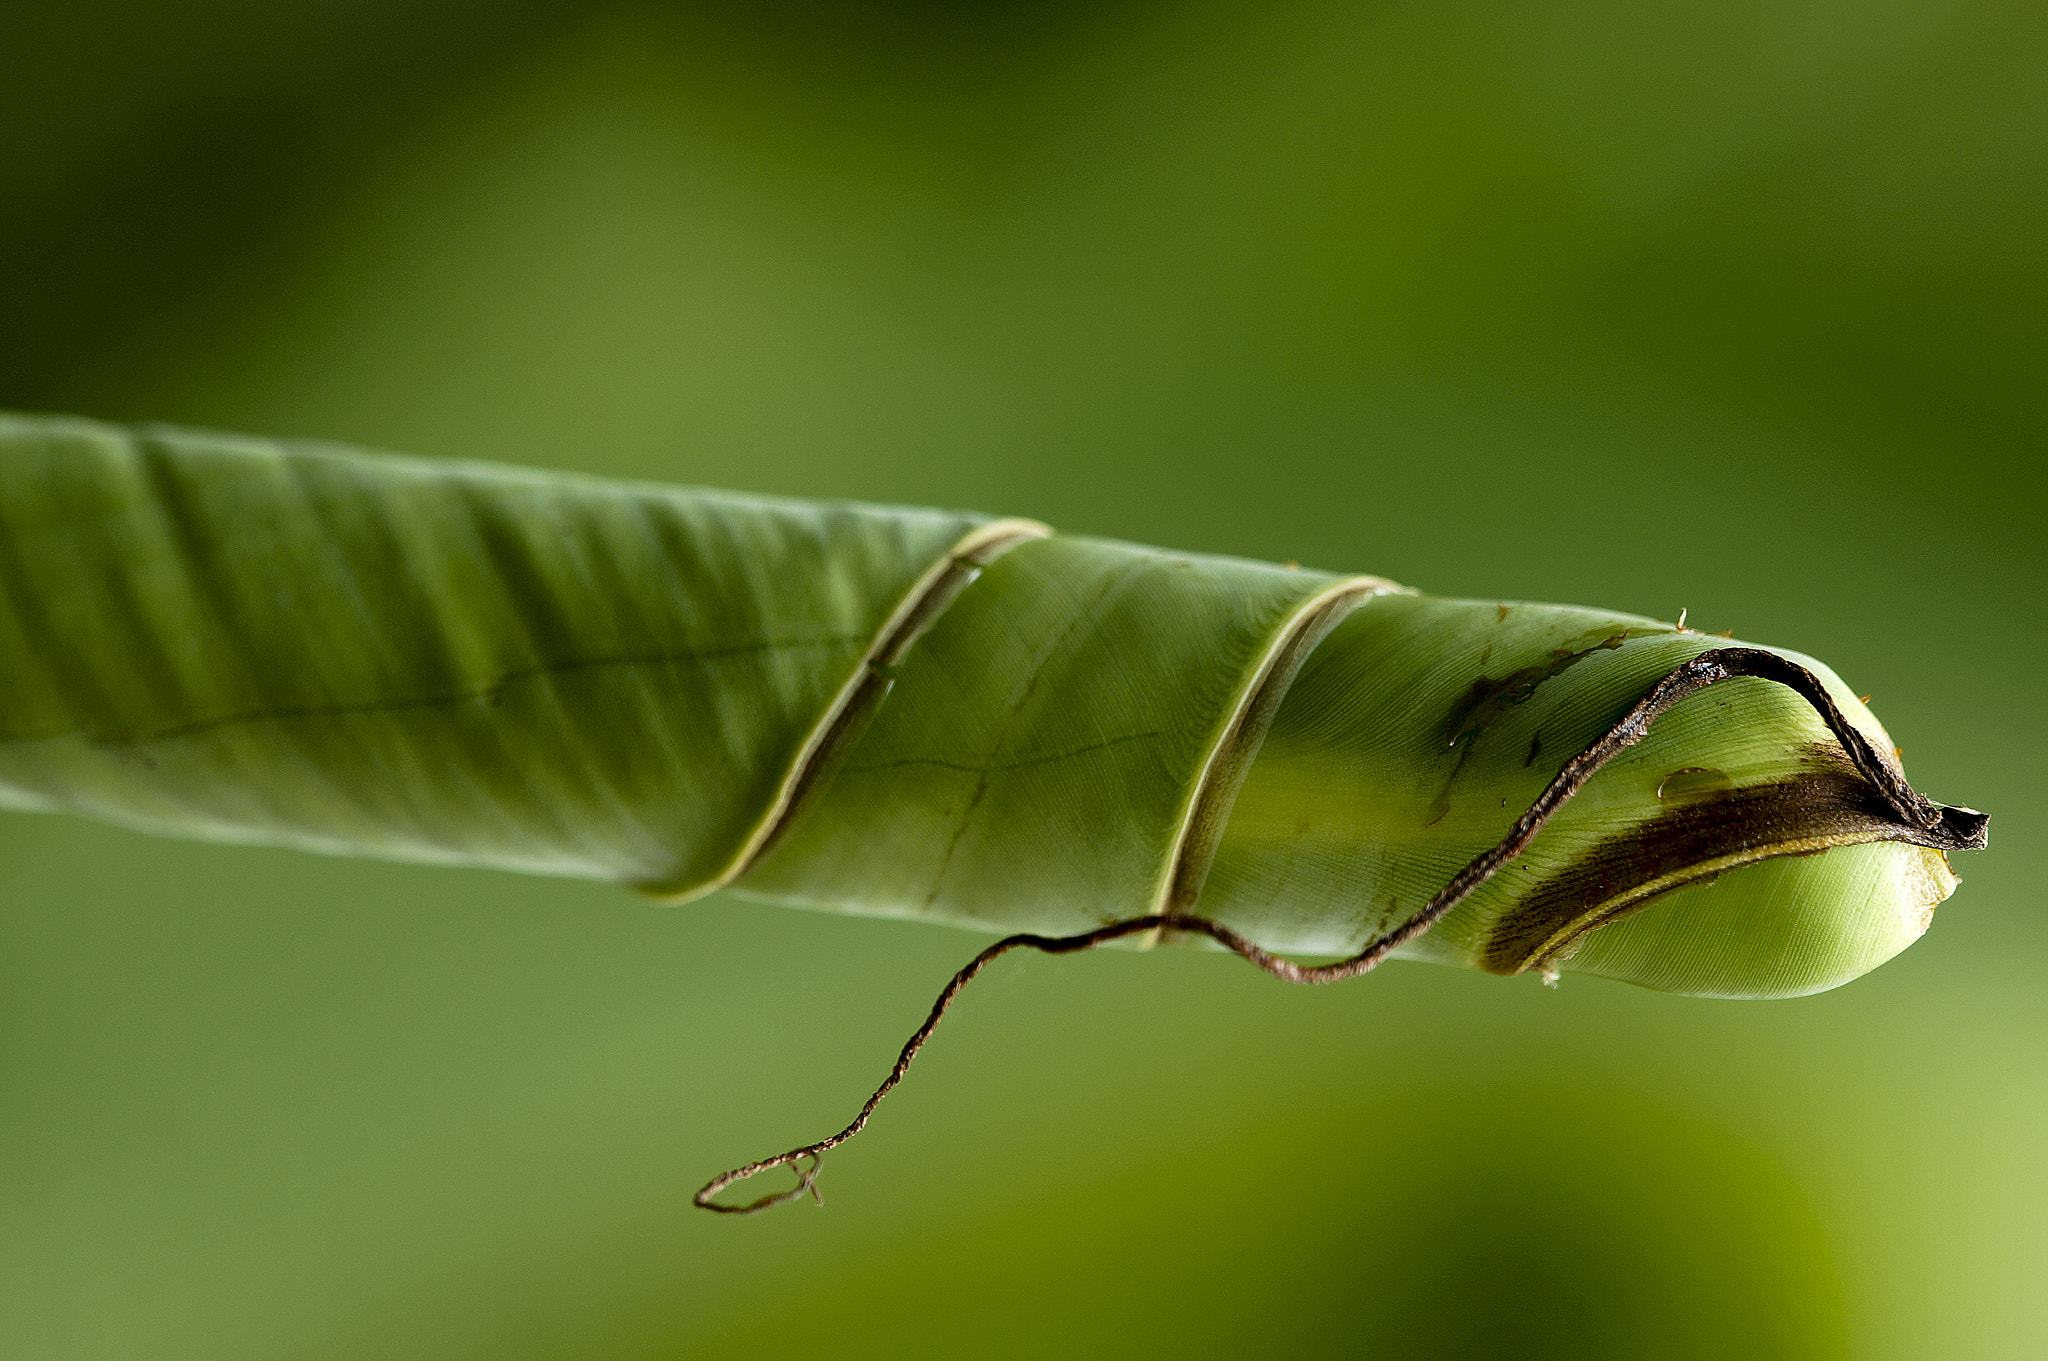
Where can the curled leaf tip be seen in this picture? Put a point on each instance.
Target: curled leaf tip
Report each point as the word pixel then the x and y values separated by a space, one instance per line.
pixel 1920 822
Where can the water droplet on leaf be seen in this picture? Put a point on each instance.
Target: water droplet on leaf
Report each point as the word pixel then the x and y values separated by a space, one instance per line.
pixel 1691 782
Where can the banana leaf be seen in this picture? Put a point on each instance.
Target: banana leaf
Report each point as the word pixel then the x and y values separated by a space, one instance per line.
pixel 923 714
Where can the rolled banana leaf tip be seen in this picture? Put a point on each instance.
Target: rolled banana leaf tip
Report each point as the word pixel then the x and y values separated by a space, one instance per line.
pixel 934 715
pixel 1871 803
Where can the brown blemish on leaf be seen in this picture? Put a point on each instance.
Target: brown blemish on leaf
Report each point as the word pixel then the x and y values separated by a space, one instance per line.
pixel 1441 804
pixel 1832 803
pixel 1489 698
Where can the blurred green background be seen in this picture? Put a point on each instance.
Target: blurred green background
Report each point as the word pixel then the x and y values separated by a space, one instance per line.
pixel 1730 306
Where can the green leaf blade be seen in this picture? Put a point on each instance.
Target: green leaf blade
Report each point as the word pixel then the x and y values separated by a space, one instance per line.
pixel 230 638
pixel 1038 764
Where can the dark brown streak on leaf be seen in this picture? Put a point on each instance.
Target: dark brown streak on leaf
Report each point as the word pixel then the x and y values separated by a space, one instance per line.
pixel 1832 802
pixel 1489 699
